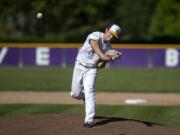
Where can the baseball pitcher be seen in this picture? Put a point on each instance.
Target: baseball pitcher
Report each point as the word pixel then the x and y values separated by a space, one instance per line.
pixel 93 55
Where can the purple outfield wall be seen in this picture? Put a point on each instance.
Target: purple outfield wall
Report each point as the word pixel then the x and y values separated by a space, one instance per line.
pixel 64 56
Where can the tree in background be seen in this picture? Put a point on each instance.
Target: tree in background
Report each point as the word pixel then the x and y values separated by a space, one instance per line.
pixel 166 20
pixel 16 18
pixel 135 17
pixel 72 20
pixel 64 20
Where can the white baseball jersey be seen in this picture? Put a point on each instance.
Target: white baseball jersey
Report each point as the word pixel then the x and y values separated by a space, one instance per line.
pixel 86 55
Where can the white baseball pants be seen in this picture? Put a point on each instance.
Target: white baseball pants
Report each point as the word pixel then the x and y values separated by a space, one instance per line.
pixel 83 84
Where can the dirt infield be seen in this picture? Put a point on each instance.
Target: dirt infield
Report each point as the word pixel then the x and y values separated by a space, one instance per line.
pixel 102 98
pixel 72 125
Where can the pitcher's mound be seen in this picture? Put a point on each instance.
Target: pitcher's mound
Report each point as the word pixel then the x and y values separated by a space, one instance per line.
pixel 72 125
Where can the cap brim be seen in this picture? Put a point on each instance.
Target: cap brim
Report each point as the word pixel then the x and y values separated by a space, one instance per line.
pixel 114 34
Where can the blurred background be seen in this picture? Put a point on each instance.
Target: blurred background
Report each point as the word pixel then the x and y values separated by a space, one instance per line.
pixel 150 31
pixel 70 21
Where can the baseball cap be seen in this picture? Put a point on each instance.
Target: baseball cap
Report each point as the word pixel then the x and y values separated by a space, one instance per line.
pixel 114 29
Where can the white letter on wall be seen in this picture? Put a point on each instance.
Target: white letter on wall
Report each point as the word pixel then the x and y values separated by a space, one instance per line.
pixel 42 56
pixel 172 57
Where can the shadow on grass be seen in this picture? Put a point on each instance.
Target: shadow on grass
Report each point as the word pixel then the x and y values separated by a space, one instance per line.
pixel 102 120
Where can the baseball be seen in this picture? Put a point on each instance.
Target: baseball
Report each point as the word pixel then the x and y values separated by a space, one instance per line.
pixel 39 15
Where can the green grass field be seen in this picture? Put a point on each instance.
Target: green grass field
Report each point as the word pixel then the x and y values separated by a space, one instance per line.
pixel 156 114
pixel 109 80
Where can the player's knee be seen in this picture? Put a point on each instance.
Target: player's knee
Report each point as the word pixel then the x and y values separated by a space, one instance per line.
pixel 74 95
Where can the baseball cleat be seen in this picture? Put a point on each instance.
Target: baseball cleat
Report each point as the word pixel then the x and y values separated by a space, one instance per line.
pixel 88 125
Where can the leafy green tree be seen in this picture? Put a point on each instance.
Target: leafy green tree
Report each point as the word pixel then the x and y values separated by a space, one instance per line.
pixel 16 19
pixel 64 20
pixel 135 16
pixel 72 20
pixel 166 20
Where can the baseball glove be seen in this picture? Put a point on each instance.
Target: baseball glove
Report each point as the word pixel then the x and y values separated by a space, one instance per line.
pixel 113 54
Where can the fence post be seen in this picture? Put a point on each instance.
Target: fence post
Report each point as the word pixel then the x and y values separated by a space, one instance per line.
pixel 150 58
pixel 20 57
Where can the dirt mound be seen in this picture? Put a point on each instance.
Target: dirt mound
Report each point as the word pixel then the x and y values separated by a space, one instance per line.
pixel 72 125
